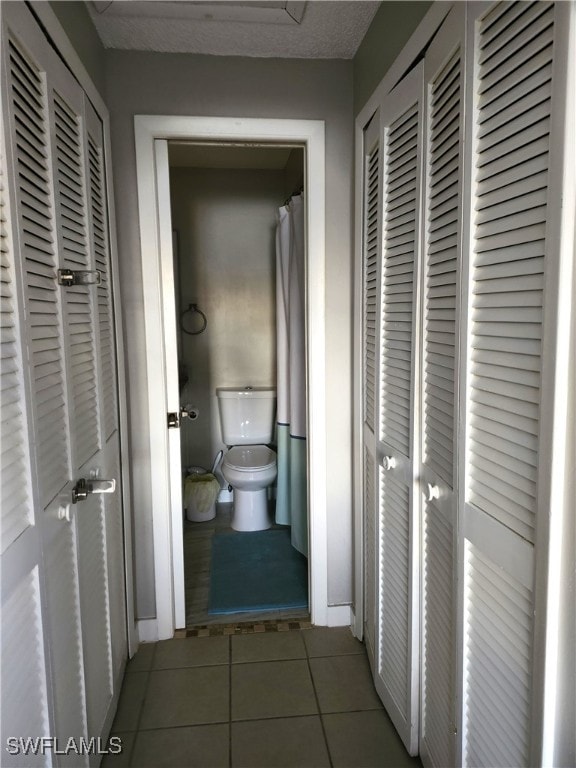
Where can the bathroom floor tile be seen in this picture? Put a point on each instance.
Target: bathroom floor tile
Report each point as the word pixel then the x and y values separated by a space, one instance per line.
pixel 188 696
pixel 131 701
pixel 272 689
pixel 142 659
pixel 344 683
pixel 121 759
pixel 333 641
pixel 271 646
pixel 200 746
pixel 191 652
pixel 294 742
pixel 366 739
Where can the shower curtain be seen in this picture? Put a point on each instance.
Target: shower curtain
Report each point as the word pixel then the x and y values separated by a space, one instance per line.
pixel 291 498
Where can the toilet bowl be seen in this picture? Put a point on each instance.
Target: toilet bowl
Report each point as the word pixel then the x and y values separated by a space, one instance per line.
pixel 250 469
pixel 249 465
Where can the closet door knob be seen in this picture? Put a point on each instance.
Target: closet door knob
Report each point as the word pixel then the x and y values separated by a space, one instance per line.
pixel 389 462
pixel 433 492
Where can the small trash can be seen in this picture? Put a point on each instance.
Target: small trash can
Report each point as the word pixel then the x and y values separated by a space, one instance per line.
pixel 200 494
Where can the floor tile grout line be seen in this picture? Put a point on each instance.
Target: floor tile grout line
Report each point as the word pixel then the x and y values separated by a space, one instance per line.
pixel 229 701
pixel 144 697
pixel 319 710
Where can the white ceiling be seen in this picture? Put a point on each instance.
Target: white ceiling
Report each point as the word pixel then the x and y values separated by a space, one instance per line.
pixel 322 29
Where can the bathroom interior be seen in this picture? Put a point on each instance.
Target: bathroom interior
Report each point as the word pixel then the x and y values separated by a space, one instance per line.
pixel 232 207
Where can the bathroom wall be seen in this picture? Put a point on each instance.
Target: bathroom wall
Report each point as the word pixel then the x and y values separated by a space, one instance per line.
pixel 225 220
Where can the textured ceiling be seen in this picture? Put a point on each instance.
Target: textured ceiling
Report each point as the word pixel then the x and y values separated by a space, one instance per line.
pixel 322 29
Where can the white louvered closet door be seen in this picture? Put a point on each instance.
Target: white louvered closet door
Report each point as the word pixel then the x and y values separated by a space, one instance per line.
pixel 66 331
pixel 504 473
pixel 24 692
pixel 397 640
pixel 442 258
pixel 70 155
pixel 370 289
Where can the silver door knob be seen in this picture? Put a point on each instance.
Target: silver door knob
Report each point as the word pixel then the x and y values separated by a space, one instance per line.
pixel 433 492
pixel 83 488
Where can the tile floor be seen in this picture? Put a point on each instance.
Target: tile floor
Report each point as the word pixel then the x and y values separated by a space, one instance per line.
pixel 300 698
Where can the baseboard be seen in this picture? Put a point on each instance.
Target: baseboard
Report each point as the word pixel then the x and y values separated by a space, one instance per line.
pixel 339 616
pixel 147 630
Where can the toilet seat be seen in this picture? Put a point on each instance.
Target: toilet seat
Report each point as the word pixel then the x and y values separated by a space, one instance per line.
pixel 250 458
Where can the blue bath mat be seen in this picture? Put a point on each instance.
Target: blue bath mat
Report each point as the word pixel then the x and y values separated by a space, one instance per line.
pixel 257 571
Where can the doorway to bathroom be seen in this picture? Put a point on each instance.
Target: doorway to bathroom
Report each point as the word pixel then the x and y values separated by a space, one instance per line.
pixel 230 205
pixel 152 134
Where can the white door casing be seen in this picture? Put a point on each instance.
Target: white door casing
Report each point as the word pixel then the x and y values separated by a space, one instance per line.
pixel 159 299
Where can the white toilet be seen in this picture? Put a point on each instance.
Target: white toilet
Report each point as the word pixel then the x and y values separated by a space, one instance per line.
pixel 249 466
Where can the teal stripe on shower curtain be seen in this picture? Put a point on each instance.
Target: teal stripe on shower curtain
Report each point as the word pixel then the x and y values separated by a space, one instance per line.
pixel 292 496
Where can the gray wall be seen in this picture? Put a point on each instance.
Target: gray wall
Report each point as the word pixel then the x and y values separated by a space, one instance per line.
pixel 175 84
pixel 226 224
pixel 77 24
pixel 390 30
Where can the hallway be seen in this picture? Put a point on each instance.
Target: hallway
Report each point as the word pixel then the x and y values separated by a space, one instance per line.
pixel 275 698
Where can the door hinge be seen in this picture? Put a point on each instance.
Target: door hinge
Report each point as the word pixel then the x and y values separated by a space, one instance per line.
pixel 69 277
pixel 173 420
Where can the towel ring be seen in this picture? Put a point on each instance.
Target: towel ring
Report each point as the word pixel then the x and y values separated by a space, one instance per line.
pixel 192 310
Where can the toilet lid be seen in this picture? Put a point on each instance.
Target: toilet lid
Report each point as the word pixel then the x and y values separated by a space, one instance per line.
pixel 250 457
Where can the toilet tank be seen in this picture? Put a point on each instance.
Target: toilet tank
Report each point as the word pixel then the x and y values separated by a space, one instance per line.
pixel 247 415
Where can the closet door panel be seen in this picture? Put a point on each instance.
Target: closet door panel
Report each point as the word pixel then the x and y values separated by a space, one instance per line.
pixel 372 243
pixel 24 703
pixel 57 183
pixel 396 673
pixel 444 79
pixel 512 51
pixel 44 368
pixel 109 462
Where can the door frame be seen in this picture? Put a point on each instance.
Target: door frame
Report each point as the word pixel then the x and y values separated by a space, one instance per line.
pixel 166 522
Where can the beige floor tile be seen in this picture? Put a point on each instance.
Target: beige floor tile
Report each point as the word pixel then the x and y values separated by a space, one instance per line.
pixel 268 646
pixel 131 700
pixel 366 739
pixel 120 759
pixel 334 641
pixel 295 742
pixel 200 746
pixel 272 689
pixel 142 659
pixel 344 683
pixel 191 652
pixel 188 696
